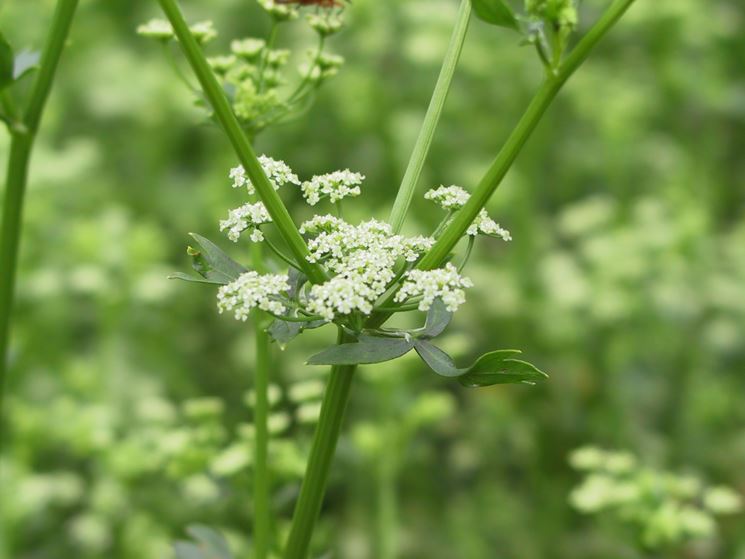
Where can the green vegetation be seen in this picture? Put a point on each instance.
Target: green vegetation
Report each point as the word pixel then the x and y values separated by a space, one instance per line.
pixel 129 413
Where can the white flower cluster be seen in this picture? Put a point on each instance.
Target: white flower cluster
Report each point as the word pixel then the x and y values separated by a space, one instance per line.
pixel 252 290
pixel 278 172
pixel 362 257
pixel 335 186
pixel 248 216
pixel 444 283
pixel 453 198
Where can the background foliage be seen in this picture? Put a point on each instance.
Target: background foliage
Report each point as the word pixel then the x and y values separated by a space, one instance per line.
pixel 625 282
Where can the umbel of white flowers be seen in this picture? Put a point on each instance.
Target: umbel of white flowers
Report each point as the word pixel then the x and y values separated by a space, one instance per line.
pixel 363 262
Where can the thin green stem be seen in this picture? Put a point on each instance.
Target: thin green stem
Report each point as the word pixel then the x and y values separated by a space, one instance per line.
pixel 281 255
pixel 269 45
pixel 21 145
pixel 262 524
pixel 517 139
pixel 306 80
pixel 321 455
pixel 216 96
pixel 427 133
pixel 525 127
pixel 467 255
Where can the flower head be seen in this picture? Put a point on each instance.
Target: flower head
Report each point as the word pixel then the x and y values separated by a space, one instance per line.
pixel 335 186
pixel 252 290
pixel 278 172
pixel 444 283
pixel 156 29
pixel 248 216
pixel 453 198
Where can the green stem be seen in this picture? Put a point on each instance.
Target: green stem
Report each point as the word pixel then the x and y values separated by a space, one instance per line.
pixel 506 157
pixel 269 45
pixel 517 139
pixel 427 133
pixel 216 96
pixel 307 79
pixel 321 454
pixel 21 145
pixel 262 482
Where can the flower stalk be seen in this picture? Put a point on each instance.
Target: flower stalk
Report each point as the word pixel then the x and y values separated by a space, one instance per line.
pixel 431 119
pixel 23 134
pixel 520 135
pixel 238 138
pixel 321 454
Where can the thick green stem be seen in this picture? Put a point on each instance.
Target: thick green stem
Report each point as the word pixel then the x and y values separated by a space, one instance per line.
pixel 21 145
pixel 216 97
pixel 321 454
pixel 262 482
pixel 262 526
pixel 506 157
pixel 427 133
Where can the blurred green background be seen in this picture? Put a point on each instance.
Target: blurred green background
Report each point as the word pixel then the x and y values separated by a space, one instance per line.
pixel 625 281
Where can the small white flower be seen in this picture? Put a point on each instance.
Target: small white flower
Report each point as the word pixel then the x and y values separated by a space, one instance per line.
pixel 335 186
pixel 203 31
pixel 448 197
pixel 248 216
pixel 321 223
pixel 487 226
pixel 453 198
pixel 156 29
pixel 444 283
pixel 278 172
pixel 325 23
pixel 279 11
pixel 252 290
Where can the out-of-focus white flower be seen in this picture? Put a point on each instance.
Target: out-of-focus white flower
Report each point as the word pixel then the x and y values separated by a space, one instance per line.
pixel 335 186
pixel 252 290
pixel 203 31
pixel 156 29
pixel 278 172
pixel 248 216
pixel 280 12
pixel 248 49
pixel 444 283
pixel 325 23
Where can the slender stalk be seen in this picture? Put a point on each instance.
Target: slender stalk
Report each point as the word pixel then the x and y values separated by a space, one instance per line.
pixel 525 127
pixel 321 454
pixel 216 96
pixel 23 134
pixel 431 119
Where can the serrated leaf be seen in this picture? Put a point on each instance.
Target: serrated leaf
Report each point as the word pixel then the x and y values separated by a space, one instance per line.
pixel 212 541
pixel 367 350
pixel 496 12
pixel 438 318
pixel 496 367
pixel 25 62
pixel 194 279
pixel 6 63
pixel 212 263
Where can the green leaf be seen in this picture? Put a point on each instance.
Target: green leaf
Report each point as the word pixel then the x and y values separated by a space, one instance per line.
pixel 212 263
pixel 296 279
pixel 367 350
pixel 211 540
pixel 6 63
pixel 194 279
pixel 491 369
pixel 24 63
pixel 438 317
pixel 496 12
pixel 283 331
pixel 496 367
